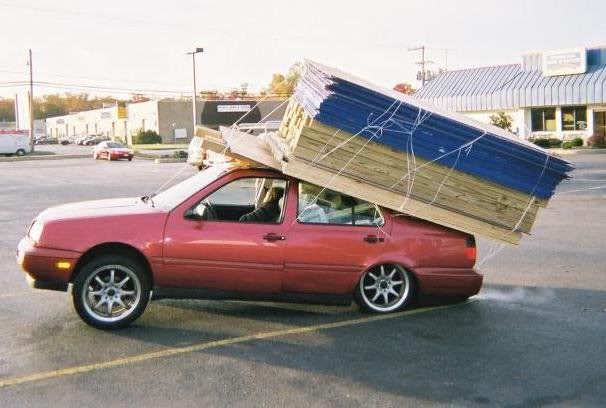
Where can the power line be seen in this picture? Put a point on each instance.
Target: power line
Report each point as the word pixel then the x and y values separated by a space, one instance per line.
pixel 59 85
pixel 95 78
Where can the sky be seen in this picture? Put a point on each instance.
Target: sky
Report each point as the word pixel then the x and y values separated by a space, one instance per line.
pixel 141 45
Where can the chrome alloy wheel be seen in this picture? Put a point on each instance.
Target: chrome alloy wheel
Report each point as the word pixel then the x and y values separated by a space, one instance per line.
pixel 111 293
pixel 385 287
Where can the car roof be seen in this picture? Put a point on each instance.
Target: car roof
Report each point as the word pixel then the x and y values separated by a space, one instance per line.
pixel 234 166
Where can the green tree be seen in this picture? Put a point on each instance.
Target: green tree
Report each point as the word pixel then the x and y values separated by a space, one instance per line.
pixel 284 85
pixel 7 110
pixel 502 120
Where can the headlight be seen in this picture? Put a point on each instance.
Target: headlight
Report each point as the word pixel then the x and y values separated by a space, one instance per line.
pixel 35 232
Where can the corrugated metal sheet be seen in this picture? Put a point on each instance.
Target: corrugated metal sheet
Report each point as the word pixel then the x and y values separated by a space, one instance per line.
pixel 517 85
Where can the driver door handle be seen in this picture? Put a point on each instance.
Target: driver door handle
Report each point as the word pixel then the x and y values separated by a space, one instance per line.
pixel 271 236
pixel 373 239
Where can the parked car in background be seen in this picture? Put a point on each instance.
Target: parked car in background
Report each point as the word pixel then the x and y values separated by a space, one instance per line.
pixel 112 151
pixel 95 140
pixel 14 142
pixel 80 140
pixel 44 140
pixel 64 142
pixel 242 233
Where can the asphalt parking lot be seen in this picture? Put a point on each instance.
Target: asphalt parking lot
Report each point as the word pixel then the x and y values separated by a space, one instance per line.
pixel 534 336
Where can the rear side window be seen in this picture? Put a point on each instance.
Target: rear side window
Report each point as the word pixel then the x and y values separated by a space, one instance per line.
pixel 323 206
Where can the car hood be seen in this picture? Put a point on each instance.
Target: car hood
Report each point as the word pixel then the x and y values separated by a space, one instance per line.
pixel 97 208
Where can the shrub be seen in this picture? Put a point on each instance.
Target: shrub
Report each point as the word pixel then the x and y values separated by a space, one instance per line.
pixel 147 137
pixel 577 142
pixel 567 145
pixel 542 142
pixel 555 142
pixel 596 141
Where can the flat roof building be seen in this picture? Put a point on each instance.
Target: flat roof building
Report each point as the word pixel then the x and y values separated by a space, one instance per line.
pixel 171 119
pixel 558 93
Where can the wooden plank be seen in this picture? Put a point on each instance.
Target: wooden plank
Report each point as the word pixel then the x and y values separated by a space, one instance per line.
pixel 203 131
pixel 427 191
pixel 464 193
pixel 250 147
pixel 391 157
pixel 453 192
pixel 303 170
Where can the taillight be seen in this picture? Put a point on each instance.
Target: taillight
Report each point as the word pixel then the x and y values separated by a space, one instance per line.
pixel 470 248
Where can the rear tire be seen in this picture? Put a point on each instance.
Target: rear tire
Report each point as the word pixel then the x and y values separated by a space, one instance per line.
pixel 111 292
pixel 385 288
pixel 20 152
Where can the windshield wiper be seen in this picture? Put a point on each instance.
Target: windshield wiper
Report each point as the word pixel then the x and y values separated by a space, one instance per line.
pixel 148 199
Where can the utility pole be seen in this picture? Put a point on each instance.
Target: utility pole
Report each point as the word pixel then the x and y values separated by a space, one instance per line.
pixel 194 96
pixel 422 74
pixel 31 103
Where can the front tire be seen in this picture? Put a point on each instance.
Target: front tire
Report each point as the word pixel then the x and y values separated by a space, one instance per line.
pixel 385 288
pixel 20 152
pixel 111 292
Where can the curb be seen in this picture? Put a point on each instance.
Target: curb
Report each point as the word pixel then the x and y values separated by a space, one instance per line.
pixel 169 160
pixel 44 157
pixel 566 152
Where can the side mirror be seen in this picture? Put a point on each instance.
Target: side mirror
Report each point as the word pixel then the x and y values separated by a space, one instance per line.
pixel 196 213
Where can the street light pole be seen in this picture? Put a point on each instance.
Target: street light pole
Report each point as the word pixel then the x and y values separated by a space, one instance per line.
pixel 195 94
pixel 423 73
pixel 32 134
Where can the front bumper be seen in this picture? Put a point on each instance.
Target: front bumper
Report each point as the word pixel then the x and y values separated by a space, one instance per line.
pixel 46 268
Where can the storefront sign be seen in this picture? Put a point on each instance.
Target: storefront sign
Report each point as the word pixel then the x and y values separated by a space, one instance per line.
pixel 180 133
pixel 565 62
pixel 233 108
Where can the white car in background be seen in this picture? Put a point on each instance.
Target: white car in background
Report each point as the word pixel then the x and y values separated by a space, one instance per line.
pixel 14 142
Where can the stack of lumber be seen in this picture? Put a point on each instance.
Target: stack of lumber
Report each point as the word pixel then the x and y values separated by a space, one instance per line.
pixel 350 135
pixel 376 144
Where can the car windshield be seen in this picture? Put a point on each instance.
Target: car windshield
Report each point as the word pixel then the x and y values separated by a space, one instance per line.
pixel 115 145
pixel 175 195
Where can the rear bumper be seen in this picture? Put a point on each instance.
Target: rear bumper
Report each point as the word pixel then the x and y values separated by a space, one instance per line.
pixel 117 156
pixel 448 281
pixel 46 268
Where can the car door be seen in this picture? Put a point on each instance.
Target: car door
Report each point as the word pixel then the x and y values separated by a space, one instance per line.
pixel 225 253
pixel 326 249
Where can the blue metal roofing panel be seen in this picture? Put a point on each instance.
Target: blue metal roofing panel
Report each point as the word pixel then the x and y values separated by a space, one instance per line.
pixel 345 102
pixel 518 85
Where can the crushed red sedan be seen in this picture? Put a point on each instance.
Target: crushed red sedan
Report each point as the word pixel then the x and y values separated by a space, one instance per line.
pixel 242 233
pixel 112 151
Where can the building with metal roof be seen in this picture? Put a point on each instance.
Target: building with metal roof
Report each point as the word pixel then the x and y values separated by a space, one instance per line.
pixel 558 93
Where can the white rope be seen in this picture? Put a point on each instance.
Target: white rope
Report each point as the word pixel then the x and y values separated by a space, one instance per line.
pixel 378 129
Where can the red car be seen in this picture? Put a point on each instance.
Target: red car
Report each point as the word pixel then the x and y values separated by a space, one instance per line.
pixel 112 151
pixel 242 233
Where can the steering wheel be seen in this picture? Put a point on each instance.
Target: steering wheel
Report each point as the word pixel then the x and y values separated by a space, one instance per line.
pixel 211 214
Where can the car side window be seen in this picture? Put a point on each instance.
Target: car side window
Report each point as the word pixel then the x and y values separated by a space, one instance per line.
pixel 323 206
pixel 246 200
